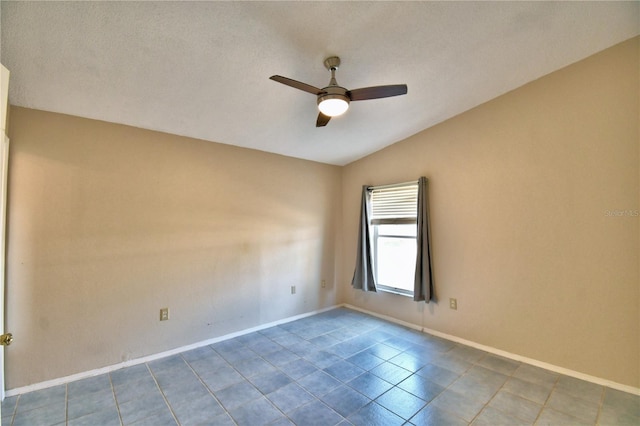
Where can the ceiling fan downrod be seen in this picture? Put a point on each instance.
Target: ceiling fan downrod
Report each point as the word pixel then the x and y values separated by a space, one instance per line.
pixel 332 65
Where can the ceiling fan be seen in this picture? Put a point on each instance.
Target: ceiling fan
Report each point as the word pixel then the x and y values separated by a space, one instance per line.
pixel 333 100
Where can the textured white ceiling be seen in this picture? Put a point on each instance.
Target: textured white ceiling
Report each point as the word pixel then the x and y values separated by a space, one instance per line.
pixel 201 69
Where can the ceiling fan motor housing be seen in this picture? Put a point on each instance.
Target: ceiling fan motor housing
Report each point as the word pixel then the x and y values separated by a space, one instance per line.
pixel 333 92
pixel 333 101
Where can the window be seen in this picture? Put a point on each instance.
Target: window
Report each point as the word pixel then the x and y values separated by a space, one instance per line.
pixel 394 229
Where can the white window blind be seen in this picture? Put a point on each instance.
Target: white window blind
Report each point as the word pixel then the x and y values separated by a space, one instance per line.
pixel 394 203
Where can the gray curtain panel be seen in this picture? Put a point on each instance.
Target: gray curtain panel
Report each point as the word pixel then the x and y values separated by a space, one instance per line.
pixel 363 278
pixel 423 287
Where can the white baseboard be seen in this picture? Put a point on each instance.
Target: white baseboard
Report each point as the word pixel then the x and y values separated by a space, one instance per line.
pixel 505 354
pixel 499 352
pixel 142 360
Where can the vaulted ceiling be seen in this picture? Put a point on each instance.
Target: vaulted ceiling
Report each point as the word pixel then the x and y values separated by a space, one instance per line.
pixel 201 69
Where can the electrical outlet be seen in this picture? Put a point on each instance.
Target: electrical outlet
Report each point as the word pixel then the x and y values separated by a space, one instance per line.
pixel 323 283
pixel 453 303
pixel 293 289
pixel 164 314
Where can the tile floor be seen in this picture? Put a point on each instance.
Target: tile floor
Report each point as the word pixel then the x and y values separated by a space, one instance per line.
pixel 339 367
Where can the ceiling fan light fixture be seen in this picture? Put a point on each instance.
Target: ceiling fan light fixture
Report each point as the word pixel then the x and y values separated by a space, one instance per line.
pixel 333 105
pixel 334 100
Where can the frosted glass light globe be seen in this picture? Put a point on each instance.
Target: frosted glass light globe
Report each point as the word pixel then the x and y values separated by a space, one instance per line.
pixel 333 107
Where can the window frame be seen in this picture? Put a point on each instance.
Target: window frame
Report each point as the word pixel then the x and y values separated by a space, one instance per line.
pixel 403 219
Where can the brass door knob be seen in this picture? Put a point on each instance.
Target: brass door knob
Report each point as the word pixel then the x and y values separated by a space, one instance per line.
pixel 6 339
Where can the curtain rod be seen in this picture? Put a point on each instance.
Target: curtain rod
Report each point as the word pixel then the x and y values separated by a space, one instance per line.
pixel 392 185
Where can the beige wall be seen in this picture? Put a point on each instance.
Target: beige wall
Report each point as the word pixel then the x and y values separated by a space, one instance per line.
pixel 520 189
pixel 108 224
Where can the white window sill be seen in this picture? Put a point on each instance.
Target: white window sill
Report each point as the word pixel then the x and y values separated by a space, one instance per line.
pixel 392 290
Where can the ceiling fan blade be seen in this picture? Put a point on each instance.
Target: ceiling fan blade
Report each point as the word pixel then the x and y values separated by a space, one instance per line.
pixel 296 84
pixel 322 120
pixel 377 92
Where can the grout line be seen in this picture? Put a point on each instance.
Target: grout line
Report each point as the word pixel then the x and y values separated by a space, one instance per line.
pixel 66 403
pixel 602 396
pixel 15 411
pixel 316 398
pixel 502 388
pixel 115 399
pixel 486 404
pixel 162 394
pixel 546 401
pixel 207 386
